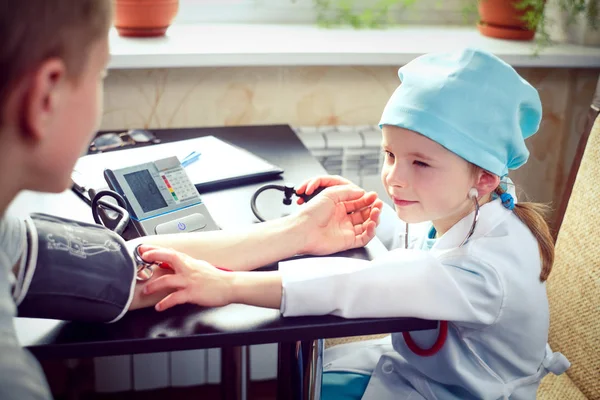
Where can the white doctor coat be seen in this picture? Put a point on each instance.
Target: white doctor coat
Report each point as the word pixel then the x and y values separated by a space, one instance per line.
pixel 489 290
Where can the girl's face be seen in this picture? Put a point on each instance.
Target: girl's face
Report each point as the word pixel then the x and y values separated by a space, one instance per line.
pixel 425 181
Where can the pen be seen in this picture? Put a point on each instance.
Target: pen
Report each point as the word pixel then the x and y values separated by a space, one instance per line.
pixel 81 192
pixel 189 155
pixel 190 158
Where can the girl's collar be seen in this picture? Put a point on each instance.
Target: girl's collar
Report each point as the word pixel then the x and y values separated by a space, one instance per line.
pixel 490 215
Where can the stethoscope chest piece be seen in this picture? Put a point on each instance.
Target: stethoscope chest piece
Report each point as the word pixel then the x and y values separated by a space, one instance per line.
pixel 143 268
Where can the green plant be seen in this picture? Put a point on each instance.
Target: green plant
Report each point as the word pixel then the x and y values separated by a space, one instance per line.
pixel 589 8
pixel 533 16
pixel 380 13
pixel 536 19
pixel 355 13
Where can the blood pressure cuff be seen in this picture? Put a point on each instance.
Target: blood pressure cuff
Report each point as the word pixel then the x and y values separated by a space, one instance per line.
pixel 74 271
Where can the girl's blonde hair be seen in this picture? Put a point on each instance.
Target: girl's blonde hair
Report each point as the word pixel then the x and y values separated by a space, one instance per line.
pixel 533 215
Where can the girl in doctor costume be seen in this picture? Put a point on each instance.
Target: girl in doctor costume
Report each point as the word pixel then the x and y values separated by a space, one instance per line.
pixel 451 131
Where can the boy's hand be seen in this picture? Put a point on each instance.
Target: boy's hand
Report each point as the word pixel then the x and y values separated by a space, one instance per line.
pixel 194 281
pixel 340 218
pixel 308 187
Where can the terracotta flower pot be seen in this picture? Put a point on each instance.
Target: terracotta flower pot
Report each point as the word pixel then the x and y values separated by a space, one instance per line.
pixel 143 18
pixel 501 19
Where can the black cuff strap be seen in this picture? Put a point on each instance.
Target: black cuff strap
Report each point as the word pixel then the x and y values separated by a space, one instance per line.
pixel 76 271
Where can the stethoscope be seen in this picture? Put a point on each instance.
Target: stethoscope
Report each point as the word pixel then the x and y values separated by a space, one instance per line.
pixel 118 223
pixel 443 332
pixel 119 220
pixel 288 192
pixel 145 271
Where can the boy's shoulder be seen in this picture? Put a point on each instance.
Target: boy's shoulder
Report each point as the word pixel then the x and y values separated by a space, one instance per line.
pixel 12 233
pixel 13 244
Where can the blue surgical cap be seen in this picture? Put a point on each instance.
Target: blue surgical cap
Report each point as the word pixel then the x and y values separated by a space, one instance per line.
pixel 470 102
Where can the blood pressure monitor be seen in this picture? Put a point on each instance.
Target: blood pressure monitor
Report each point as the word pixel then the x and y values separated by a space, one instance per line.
pixel 161 198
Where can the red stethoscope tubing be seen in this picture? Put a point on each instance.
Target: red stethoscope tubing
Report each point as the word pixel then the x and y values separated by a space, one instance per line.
pixel 437 346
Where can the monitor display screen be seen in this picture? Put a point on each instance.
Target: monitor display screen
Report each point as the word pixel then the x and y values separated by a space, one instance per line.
pixel 145 190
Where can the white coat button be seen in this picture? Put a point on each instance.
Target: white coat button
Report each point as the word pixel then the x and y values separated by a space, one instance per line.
pixel 387 367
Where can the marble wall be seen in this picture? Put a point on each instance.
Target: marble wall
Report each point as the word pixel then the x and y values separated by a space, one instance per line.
pixel 317 96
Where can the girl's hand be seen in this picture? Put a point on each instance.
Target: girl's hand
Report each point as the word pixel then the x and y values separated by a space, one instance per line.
pixel 340 218
pixel 194 281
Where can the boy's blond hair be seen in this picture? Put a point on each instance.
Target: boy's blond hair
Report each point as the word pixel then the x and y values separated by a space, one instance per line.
pixel 32 31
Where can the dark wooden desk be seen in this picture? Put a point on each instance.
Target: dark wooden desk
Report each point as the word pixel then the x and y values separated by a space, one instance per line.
pixel 191 327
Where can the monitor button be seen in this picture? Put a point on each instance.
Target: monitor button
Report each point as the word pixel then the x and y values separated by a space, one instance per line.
pixel 189 223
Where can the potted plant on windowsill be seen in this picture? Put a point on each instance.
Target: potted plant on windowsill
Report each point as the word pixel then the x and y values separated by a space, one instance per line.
pixel 144 18
pixel 548 21
pixel 573 21
pixel 510 19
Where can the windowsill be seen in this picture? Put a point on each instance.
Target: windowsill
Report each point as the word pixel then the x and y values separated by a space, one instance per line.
pixel 240 45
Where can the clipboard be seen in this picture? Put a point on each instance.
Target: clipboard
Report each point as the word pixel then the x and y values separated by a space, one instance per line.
pixel 219 165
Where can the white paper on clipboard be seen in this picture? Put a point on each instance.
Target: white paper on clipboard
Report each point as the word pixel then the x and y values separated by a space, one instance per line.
pixel 219 162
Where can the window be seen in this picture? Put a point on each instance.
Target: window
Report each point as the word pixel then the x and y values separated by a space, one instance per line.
pixel 246 11
pixel 424 12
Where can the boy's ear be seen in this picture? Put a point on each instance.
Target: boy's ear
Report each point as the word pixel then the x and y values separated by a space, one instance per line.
pixel 42 99
pixel 486 182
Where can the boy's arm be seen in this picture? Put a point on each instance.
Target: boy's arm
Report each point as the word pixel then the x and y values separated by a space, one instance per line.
pixel 244 249
pixel 20 376
pixel 339 218
pixel 139 300
pixel 68 270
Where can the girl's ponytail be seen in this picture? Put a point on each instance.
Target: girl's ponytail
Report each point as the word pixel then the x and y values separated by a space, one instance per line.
pixel 533 215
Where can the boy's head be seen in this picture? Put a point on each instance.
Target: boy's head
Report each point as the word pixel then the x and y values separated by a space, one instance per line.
pixel 457 121
pixel 53 55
